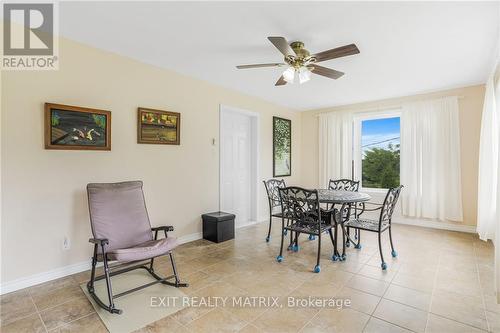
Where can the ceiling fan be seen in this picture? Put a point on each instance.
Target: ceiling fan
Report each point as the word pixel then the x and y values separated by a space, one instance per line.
pixel 299 61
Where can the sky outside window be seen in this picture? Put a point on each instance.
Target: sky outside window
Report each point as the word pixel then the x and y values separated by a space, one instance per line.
pixel 379 133
pixel 380 139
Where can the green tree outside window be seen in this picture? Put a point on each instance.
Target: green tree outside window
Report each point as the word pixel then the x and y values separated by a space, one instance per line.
pixel 380 167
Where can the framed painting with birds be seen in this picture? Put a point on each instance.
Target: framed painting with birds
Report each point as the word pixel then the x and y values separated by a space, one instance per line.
pixel 77 128
pixel 158 127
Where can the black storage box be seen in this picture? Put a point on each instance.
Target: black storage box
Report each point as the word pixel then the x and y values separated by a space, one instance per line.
pixel 218 226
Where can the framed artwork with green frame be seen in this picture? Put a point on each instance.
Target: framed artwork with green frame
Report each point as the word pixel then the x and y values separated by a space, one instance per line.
pixel 282 147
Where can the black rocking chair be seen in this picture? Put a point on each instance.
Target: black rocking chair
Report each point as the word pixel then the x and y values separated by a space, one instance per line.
pixel 383 223
pixel 122 233
pixel 301 208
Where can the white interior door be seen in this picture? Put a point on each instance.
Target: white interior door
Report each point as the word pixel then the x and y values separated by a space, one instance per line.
pixel 235 161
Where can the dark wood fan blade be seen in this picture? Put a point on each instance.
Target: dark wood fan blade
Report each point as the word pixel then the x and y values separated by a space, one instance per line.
pixel 281 81
pixel 328 72
pixel 282 45
pixel 276 64
pixel 338 52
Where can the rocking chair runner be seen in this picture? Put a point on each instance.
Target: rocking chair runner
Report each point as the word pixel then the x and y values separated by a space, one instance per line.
pixel 122 232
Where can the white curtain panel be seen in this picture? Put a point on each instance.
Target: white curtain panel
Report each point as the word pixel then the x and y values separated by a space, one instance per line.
pixel 430 160
pixel 335 146
pixel 488 212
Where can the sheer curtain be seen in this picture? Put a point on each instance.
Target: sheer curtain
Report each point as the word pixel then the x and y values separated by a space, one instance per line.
pixel 430 160
pixel 335 146
pixel 488 212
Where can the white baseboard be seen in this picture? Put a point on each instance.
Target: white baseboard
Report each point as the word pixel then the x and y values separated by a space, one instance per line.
pixel 60 272
pixel 38 278
pixel 248 224
pixel 57 273
pixel 189 238
pixel 437 225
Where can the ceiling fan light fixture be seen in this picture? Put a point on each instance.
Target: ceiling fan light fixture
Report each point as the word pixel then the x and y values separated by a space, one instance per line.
pixel 289 74
pixel 302 63
pixel 304 75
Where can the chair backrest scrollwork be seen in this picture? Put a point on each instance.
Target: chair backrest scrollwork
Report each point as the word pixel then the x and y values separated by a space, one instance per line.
pixel 343 184
pixel 272 186
pixel 389 205
pixel 300 205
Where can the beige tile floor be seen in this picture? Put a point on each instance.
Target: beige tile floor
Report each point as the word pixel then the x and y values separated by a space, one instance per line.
pixel 441 282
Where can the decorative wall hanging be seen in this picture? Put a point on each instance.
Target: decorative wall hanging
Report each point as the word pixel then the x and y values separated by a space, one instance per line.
pixel 77 128
pixel 158 127
pixel 282 147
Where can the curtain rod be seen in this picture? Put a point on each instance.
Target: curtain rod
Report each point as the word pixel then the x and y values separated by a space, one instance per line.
pixel 383 108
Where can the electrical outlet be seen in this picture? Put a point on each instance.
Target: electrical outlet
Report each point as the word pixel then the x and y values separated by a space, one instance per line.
pixel 66 244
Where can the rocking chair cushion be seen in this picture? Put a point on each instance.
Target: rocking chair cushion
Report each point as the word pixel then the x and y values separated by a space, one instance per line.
pixel 146 250
pixel 118 213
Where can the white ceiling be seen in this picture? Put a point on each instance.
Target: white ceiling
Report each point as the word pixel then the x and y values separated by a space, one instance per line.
pixel 406 47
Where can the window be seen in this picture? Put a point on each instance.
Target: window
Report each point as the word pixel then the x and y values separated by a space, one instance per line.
pixel 377 141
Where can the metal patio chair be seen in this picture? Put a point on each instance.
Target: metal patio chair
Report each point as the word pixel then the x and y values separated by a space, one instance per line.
pixel 345 185
pixel 301 208
pixel 122 233
pixel 272 186
pixel 383 223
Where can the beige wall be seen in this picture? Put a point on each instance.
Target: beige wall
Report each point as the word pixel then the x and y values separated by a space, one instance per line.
pixel 470 106
pixel 44 190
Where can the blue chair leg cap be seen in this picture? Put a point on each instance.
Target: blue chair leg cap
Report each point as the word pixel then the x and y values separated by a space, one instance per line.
pixel 279 258
pixel 384 266
pixel 295 248
pixel 285 232
pixel 268 238
pixel 357 246
pixel 394 254
pixel 347 244
pixel 335 258
pixel 289 248
pixel 312 237
pixel 343 257
pixel 317 269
